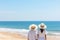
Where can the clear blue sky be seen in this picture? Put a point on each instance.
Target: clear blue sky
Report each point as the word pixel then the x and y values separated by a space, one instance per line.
pixel 29 10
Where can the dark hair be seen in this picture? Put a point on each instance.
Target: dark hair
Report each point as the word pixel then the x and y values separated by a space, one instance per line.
pixel 41 30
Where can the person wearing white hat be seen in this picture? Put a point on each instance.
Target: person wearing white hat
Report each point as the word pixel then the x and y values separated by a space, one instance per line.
pixel 32 33
pixel 42 32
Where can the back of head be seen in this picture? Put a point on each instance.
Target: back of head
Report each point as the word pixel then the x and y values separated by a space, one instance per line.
pixel 41 30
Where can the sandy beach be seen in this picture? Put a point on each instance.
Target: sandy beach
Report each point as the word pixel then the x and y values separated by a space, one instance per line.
pixel 53 37
pixel 11 36
pixel 15 36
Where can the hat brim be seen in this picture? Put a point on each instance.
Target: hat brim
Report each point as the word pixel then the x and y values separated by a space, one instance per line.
pixel 43 25
pixel 31 26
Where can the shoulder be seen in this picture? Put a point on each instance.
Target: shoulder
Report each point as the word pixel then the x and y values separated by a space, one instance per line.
pixel 45 31
pixel 29 32
pixel 38 31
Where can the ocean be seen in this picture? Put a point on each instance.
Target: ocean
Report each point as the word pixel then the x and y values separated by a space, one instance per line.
pixel 22 27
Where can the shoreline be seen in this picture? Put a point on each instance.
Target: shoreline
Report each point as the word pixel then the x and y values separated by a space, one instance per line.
pixel 21 34
pixel 15 36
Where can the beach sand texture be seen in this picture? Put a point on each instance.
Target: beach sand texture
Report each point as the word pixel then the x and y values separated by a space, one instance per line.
pixel 14 36
pixel 11 36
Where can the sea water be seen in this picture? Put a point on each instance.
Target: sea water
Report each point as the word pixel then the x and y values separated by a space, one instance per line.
pixel 22 27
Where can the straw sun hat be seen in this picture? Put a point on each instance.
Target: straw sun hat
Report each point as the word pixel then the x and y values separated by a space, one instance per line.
pixel 33 27
pixel 42 26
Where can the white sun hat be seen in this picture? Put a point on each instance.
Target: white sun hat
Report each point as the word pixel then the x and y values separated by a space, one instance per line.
pixel 42 24
pixel 33 25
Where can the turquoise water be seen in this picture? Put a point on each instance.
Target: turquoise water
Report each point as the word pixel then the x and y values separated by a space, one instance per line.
pixel 53 27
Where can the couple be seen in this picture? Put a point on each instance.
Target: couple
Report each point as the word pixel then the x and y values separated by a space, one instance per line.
pixel 35 34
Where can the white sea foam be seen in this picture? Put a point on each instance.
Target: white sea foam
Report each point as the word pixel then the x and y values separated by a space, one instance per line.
pixel 54 33
pixel 18 31
pixel 24 31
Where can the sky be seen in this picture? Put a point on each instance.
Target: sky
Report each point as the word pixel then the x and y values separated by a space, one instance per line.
pixel 29 10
